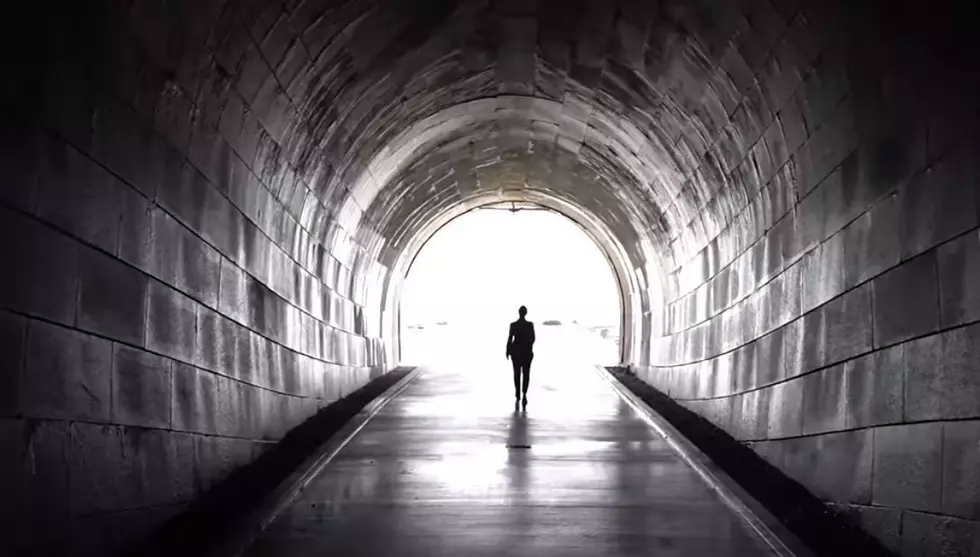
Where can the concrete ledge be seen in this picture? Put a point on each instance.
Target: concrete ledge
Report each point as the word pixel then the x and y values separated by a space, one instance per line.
pixel 225 520
pixel 782 542
pixel 289 489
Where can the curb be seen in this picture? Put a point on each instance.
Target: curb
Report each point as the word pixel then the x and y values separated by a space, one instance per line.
pixel 236 543
pixel 780 540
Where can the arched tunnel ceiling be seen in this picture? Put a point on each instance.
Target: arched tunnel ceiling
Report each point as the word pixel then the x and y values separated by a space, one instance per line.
pixel 408 107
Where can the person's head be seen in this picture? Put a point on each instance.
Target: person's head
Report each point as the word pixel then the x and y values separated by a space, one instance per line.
pixel 522 311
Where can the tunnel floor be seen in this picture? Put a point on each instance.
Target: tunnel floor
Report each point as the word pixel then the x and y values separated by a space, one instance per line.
pixel 449 467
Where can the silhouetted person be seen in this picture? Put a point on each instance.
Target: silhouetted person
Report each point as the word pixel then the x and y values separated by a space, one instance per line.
pixel 520 343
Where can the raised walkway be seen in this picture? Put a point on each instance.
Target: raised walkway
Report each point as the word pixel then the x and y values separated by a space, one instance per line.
pixel 450 468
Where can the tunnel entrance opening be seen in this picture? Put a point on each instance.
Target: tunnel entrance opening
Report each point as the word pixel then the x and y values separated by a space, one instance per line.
pixel 465 284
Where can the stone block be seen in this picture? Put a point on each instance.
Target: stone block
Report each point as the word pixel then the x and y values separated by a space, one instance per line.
pixel 141 385
pixel 253 417
pixel 883 523
pixel 78 196
pixel 228 410
pixel 770 451
pixel 111 298
pixel 67 374
pixel 828 146
pixel 13 330
pixel 217 343
pixel 131 149
pixel 871 243
pixel 786 409
pixel 233 301
pixel 824 87
pixel 135 240
pixel 841 466
pixel 115 468
pixel 875 388
pixel 171 322
pixel 927 535
pixel 195 400
pixel 20 170
pixel 824 400
pixel 166 463
pixel 959 275
pixel 40 269
pixel 908 466
pixel 98 475
pixel 744 368
pixel 848 325
pixel 906 301
pixel 938 204
pixel 838 331
pixel 218 457
pixel 941 379
pixel 183 260
pixel 750 414
pixel 34 486
pixel 961 469
pixel 793 347
pixel 769 358
pixel 799 459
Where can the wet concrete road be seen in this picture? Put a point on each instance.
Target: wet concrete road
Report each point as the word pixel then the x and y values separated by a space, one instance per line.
pixel 433 475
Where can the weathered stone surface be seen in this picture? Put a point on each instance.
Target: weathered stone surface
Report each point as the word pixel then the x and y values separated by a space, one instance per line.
pixel 111 298
pixel 926 534
pixel 961 469
pixel 276 162
pixel 941 379
pixel 141 386
pixel 900 314
pixel 66 374
pixel 908 466
pixel 825 400
pixel 41 269
pixel 959 274
pixel 875 388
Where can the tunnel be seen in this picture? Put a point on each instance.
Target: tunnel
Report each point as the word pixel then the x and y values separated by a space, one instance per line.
pixel 208 209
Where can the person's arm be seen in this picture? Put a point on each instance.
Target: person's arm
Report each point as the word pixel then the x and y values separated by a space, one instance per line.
pixel 510 339
pixel 531 327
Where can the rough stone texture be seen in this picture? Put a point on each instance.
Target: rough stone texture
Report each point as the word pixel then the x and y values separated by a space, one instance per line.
pixel 140 388
pixel 906 303
pixel 813 461
pixel 941 379
pixel 882 522
pixel 875 388
pixel 961 469
pixel 908 466
pixel 926 535
pixel 66 374
pixel 959 273
pixel 266 170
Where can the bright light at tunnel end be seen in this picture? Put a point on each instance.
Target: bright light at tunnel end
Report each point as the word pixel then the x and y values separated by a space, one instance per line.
pixel 470 277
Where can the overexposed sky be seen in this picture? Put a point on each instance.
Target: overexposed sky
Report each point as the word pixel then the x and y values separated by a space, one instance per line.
pixel 485 264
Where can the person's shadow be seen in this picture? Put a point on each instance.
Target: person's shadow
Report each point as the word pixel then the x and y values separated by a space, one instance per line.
pixel 518 465
pixel 518 434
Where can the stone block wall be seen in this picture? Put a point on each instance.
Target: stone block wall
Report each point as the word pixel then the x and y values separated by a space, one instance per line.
pixel 164 314
pixel 840 338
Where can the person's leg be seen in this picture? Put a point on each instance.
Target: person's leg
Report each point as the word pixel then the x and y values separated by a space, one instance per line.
pixel 517 377
pixel 527 375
